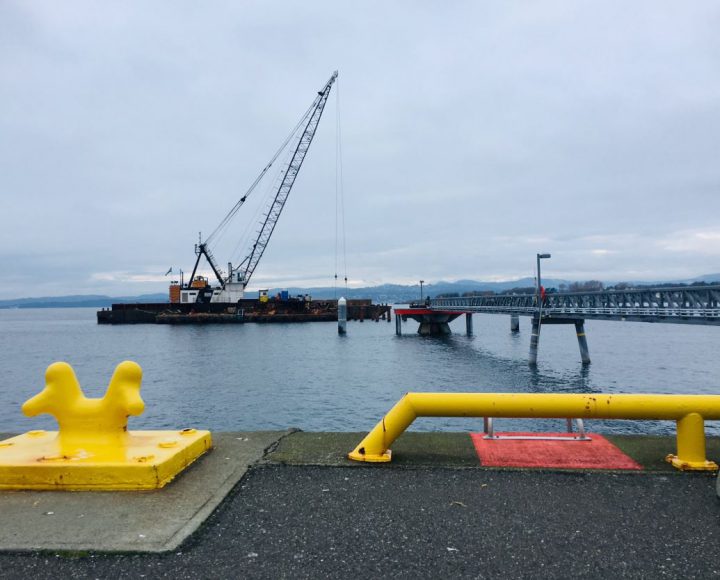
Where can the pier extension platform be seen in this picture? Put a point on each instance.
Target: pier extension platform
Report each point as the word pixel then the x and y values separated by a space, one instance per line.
pixel 289 504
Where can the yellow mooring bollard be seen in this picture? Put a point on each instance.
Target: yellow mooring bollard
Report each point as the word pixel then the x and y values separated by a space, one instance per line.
pixel 93 450
pixel 689 411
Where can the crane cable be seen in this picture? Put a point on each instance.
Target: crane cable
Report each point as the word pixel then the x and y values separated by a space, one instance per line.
pixel 220 229
pixel 339 193
pixel 240 248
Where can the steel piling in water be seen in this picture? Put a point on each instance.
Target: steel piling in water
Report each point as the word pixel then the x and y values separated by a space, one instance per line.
pixel 534 340
pixel 342 316
pixel 582 342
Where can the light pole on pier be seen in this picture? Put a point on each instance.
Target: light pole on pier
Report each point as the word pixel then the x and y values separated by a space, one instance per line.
pixel 539 285
pixel 536 321
pixel 421 283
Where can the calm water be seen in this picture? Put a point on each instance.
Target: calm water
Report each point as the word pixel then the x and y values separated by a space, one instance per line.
pixel 245 377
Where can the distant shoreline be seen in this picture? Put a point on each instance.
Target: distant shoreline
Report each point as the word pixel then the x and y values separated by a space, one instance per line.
pixel 382 294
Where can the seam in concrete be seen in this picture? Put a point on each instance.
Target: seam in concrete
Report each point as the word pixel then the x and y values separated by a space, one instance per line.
pixel 203 487
pixel 195 523
pixel 227 494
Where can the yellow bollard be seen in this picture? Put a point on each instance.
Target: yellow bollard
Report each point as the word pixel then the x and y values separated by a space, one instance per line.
pixel 688 410
pixel 93 449
pixel 103 422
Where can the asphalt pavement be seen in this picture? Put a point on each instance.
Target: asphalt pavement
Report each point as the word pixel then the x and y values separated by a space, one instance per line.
pixel 333 522
pixel 327 518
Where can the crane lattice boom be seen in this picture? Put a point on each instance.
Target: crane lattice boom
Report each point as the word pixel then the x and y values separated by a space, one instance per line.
pixel 238 278
pixel 250 262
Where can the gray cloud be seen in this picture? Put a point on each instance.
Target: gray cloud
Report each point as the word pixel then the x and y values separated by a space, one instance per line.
pixel 474 135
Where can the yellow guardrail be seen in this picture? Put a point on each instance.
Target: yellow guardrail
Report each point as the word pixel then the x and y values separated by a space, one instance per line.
pixel 690 412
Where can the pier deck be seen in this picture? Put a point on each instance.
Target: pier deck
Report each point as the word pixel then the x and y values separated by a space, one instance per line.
pixel 303 510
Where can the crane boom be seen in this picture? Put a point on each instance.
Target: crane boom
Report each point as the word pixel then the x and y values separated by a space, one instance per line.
pixel 232 286
pixel 201 249
pixel 250 262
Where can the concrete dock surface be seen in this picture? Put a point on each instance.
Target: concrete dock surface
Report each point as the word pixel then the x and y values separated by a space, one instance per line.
pixel 288 504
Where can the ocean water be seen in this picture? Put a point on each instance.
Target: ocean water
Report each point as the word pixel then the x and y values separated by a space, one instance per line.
pixel 275 376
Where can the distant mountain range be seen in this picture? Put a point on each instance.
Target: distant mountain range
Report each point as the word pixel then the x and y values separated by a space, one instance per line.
pixel 386 293
pixel 80 301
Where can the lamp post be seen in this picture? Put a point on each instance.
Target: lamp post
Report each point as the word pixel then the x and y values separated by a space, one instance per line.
pixel 540 257
pixel 535 336
pixel 421 295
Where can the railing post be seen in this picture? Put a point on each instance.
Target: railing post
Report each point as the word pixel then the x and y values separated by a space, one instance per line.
pixel 691 444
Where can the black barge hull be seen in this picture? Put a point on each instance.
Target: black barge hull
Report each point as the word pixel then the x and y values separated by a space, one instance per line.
pixel 249 310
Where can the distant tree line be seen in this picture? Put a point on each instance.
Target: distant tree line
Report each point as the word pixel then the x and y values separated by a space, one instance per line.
pixel 589 286
pixel 629 286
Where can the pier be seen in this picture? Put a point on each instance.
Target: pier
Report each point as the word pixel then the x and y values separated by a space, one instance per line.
pixel 288 503
pixel 697 305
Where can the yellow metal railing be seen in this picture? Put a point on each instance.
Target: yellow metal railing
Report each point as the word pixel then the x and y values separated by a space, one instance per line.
pixel 690 412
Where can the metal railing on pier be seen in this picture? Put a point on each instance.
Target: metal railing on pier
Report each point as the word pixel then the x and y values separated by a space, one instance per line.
pixel 685 305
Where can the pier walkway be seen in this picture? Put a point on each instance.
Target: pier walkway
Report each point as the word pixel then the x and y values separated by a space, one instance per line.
pixel 699 305
pixel 682 305
pixel 289 504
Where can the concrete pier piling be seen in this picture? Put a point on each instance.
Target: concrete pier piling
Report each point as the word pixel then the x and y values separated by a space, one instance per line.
pixel 342 316
pixel 469 323
pixel 432 322
pixel 534 340
pixel 579 330
pixel 582 341
pixel 514 323
pixel 431 328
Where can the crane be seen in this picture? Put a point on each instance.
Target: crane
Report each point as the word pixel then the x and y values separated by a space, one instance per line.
pixel 233 285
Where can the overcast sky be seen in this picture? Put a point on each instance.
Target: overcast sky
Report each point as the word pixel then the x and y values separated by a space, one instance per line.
pixel 474 135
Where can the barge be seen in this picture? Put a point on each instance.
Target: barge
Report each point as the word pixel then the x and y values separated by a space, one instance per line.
pixel 242 311
pixel 196 301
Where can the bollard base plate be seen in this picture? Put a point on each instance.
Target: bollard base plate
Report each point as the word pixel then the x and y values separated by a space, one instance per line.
pixel 368 458
pixel 683 465
pixel 145 460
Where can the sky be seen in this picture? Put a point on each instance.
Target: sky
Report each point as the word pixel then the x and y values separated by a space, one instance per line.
pixel 473 135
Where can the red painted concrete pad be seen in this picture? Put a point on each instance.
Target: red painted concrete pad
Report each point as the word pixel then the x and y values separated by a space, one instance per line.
pixel 598 453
